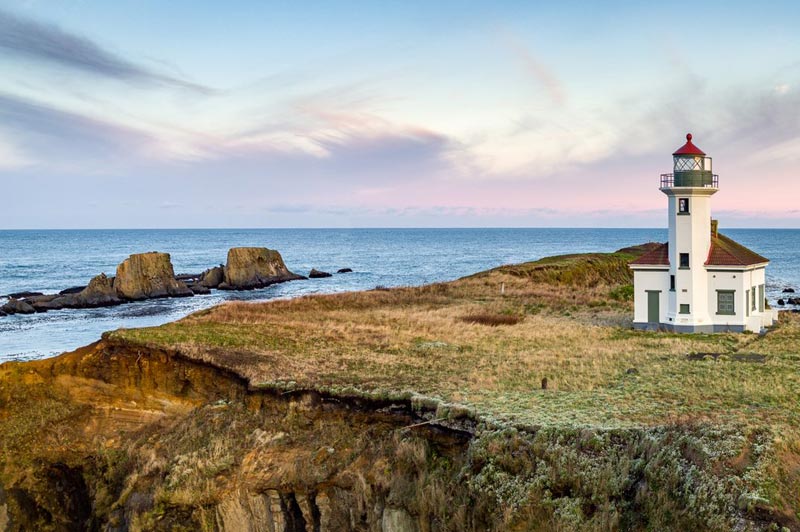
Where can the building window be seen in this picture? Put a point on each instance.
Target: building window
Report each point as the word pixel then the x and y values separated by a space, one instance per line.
pixel 671 283
pixel 725 299
pixel 761 298
pixel 747 302
pixel 684 309
pixel 684 260
pixel 683 205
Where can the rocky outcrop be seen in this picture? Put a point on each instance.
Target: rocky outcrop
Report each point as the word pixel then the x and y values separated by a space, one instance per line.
pixel 213 277
pixel 73 290
pixel 317 274
pixel 198 289
pixel 99 293
pixel 151 275
pixel 344 270
pixel 17 306
pixel 146 276
pixel 249 268
pixel 23 295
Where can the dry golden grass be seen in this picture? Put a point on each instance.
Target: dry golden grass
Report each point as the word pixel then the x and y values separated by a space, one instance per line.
pixel 559 322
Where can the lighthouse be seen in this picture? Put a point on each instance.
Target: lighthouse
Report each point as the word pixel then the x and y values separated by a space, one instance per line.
pixel 699 280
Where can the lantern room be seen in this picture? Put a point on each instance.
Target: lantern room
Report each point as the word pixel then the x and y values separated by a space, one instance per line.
pixel 691 168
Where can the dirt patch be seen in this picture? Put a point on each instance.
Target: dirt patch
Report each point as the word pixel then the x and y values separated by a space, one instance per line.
pixel 492 320
pixel 753 358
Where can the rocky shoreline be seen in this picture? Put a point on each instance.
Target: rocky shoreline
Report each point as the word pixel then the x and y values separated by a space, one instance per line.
pixel 151 275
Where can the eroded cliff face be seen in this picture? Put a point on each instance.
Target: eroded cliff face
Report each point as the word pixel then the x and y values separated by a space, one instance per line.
pixel 113 437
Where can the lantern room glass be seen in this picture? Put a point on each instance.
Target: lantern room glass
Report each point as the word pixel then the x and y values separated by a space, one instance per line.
pixel 688 163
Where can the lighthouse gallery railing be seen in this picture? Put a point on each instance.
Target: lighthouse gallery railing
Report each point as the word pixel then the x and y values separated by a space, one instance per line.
pixel 668 181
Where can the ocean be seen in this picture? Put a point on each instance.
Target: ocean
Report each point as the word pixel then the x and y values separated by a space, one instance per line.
pixel 50 261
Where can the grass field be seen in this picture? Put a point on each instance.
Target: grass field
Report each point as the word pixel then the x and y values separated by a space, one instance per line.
pixel 487 342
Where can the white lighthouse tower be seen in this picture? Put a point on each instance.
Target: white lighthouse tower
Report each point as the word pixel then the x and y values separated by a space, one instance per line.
pixel 689 189
pixel 700 280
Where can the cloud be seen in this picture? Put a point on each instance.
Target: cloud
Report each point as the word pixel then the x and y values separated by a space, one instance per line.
pixel 49 43
pixel 63 139
pixel 537 69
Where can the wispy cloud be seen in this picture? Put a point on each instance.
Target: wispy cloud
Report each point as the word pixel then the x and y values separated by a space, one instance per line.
pixel 62 137
pixel 35 41
pixel 537 69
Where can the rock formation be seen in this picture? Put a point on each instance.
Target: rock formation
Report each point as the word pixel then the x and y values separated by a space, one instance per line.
pixel 146 276
pixel 151 275
pixel 99 293
pixel 344 270
pixel 213 277
pixel 316 274
pixel 249 268
pixel 17 306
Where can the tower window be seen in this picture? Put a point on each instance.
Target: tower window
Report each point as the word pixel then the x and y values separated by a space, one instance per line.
pixel 725 304
pixel 672 283
pixel 684 308
pixel 683 205
pixel 683 260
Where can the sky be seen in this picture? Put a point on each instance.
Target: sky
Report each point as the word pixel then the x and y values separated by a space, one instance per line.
pixel 147 114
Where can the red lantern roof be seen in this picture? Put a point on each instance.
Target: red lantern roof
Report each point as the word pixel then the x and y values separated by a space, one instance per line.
pixel 689 148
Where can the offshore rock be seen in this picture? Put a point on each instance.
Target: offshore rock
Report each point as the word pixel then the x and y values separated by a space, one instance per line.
pixel 213 277
pixel 73 290
pixel 344 270
pixel 316 274
pixel 17 306
pixel 198 289
pixel 249 268
pixel 148 275
pixel 23 295
pixel 99 293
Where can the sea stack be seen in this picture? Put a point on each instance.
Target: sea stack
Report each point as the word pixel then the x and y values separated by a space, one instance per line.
pixel 249 268
pixel 148 275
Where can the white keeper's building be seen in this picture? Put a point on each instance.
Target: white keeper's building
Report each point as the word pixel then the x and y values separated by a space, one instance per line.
pixel 699 281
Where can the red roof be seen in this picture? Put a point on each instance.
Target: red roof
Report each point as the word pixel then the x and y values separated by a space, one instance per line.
pixel 658 256
pixel 726 252
pixel 689 148
pixel 723 252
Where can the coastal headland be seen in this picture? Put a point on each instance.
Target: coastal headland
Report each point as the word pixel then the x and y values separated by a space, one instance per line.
pixel 514 399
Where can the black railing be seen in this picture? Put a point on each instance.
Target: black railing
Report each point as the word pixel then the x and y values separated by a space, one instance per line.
pixel 668 181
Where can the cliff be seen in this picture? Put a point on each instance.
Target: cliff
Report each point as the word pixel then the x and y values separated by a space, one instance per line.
pixel 414 409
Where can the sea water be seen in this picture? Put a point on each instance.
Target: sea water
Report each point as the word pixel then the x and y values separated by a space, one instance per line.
pixel 50 261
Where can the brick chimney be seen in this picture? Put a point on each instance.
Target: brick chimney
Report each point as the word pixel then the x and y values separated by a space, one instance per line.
pixel 714 227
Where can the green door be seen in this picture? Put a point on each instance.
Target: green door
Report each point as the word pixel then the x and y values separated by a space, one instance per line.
pixel 653 306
